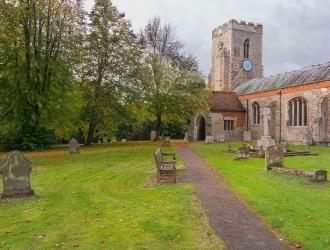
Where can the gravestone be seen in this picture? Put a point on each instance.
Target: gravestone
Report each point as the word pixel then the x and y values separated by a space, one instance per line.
pixel 186 137
pixel 221 138
pixel 152 135
pixel 247 136
pixel 209 140
pixel 321 175
pixel 261 151
pixel 242 153
pixel 74 146
pixel 273 157
pixel 113 139
pixel 105 140
pixel 123 140
pixel 286 148
pixel 266 140
pixel 16 170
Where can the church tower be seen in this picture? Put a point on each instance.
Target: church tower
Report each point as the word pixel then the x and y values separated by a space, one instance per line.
pixel 236 55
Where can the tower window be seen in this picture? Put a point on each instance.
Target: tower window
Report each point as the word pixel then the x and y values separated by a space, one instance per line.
pixel 298 112
pixel 256 113
pixel 246 48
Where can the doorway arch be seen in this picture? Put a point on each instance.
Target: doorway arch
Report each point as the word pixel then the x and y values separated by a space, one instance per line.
pixel 201 128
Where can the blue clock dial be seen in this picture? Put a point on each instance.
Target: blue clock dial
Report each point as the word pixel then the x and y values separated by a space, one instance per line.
pixel 247 65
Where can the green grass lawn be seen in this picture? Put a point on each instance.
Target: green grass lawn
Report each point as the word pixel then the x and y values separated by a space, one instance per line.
pixel 294 207
pixel 98 200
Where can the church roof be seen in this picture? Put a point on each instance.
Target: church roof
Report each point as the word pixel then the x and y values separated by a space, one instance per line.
pixel 225 102
pixel 310 74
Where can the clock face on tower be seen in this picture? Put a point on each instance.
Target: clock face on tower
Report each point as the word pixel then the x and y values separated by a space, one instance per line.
pixel 247 65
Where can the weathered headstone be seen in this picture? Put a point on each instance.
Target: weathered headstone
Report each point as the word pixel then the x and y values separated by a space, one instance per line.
pixel 113 139
pixel 247 136
pixel 273 157
pixel 242 153
pixel 105 139
pixel 266 140
pixel 74 146
pixel 321 175
pixel 16 170
pixel 221 138
pixel 153 135
pixel 209 140
pixel 186 138
pixel 123 140
pixel 286 148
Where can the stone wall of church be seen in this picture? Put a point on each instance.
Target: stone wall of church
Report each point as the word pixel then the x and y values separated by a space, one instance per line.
pixel 318 117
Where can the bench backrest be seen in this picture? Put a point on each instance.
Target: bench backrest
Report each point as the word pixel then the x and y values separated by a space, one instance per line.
pixel 158 157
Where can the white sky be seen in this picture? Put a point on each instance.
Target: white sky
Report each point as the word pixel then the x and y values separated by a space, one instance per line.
pixel 297 32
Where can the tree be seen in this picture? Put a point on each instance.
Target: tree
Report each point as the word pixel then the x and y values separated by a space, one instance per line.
pixel 111 60
pixel 173 87
pixel 39 41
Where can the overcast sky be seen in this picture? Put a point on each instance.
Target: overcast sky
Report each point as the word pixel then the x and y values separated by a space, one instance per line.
pixel 296 32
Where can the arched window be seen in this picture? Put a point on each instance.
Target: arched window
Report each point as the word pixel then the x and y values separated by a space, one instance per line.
pixel 246 48
pixel 298 112
pixel 256 113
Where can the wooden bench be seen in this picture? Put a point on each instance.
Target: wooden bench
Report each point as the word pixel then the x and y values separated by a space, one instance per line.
pixel 166 169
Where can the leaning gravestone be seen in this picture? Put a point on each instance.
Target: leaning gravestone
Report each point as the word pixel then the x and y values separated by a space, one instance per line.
pixel 152 135
pixel 74 147
pixel 273 157
pixel 16 170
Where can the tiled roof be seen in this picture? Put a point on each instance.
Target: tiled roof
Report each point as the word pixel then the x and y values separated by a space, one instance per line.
pixel 315 73
pixel 225 102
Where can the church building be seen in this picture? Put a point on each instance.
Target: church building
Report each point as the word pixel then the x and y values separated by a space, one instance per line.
pixel 293 107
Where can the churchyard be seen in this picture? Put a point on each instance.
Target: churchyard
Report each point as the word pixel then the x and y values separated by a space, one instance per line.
pixel 101 199
pixel 296 208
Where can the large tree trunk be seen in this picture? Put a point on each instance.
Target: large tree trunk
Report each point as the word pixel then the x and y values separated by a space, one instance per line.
pixel 158 125
pixel 90 135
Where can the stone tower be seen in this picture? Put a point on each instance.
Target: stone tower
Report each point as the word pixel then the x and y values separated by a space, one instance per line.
pixel 236 54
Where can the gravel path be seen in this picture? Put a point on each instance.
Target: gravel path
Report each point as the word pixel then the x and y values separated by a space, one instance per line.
pixel 232 219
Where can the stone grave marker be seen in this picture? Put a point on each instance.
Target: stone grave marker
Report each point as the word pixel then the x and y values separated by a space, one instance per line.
pixel 16 170
pixel 247 136
pixel 286 148
pixel 221 138
pixel 152 135
pixel 113 139
pixel 105 139
pixel 123 140
pixel 209 140
pixel 273 157
pixel 321 175
pixel 242 153
pixel 74 146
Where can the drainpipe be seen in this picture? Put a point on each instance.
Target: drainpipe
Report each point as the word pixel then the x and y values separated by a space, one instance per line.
pixel 280 116
pixel 247 115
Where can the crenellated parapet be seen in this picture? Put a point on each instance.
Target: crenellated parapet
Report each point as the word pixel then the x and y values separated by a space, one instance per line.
pixel 239 25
